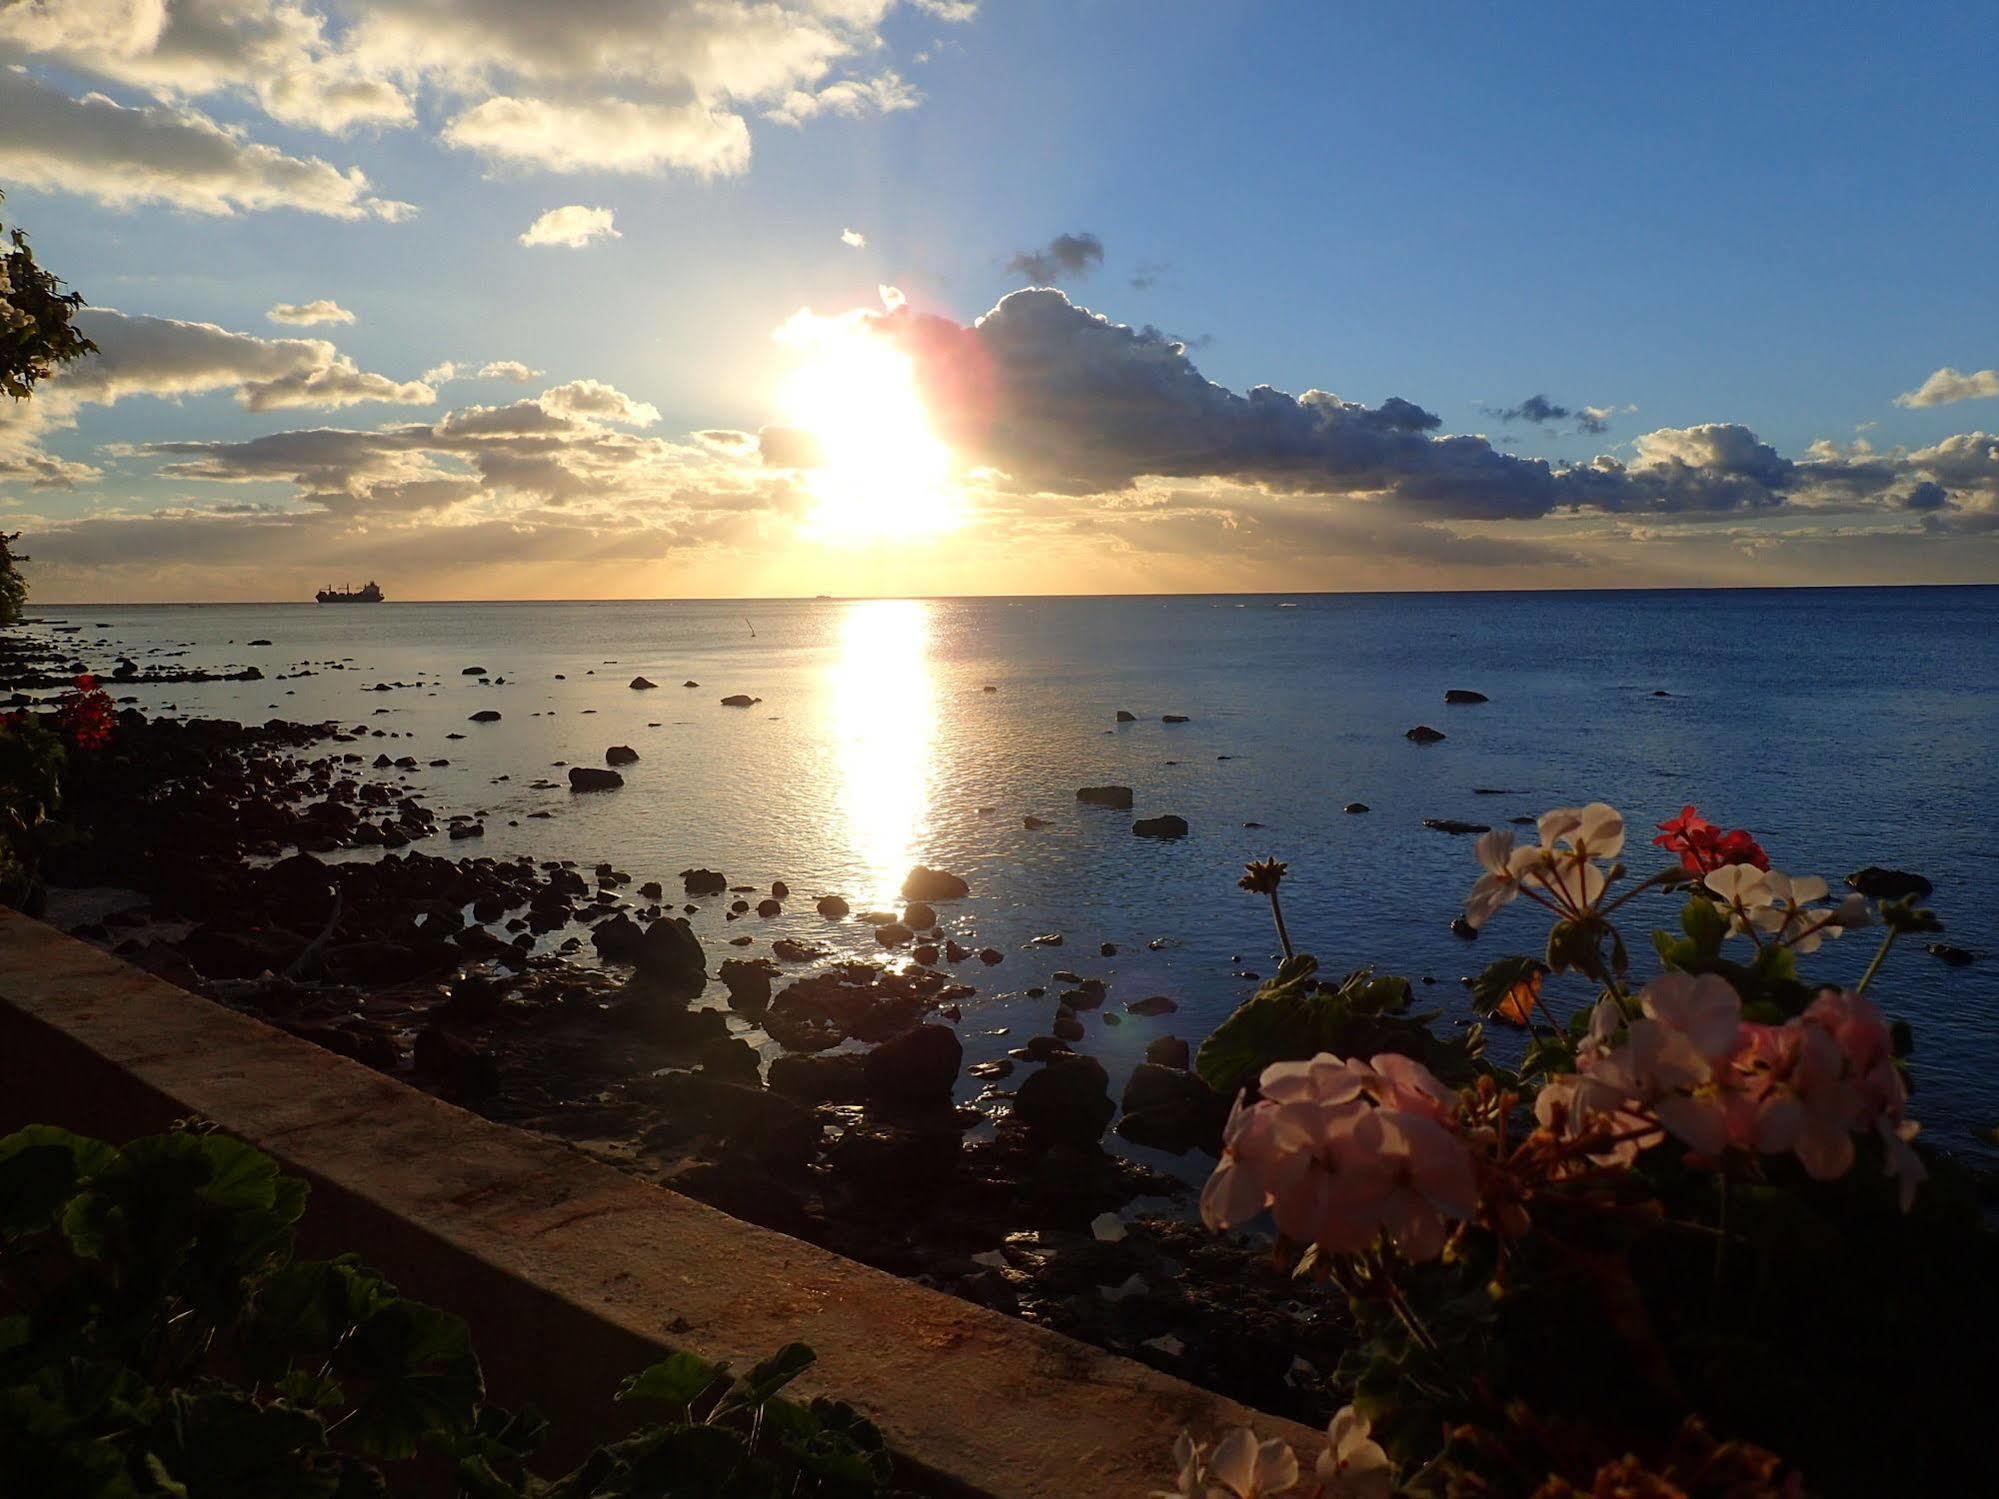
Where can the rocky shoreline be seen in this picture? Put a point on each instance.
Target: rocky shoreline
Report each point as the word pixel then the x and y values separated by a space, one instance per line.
pixel 803 1091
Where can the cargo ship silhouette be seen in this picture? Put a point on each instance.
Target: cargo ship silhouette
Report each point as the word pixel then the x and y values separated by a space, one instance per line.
pixel 372 594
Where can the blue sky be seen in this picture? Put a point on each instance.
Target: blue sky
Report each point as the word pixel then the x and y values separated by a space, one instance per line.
pixel 1761 216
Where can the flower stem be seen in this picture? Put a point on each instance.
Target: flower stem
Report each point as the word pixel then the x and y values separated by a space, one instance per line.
pixel 1875 966
pixel 1283 936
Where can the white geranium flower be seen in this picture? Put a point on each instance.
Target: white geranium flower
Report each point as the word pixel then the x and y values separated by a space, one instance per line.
pixel 1572 838
pixel 1743 887
pixel 1786 912
pixel 1353 1466
pixel 1240 1467
pixel 1506 868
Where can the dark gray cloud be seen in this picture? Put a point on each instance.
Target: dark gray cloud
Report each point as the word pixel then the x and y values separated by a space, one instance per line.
pixel 1542 412
pixel 1061 399
pixel 1067 257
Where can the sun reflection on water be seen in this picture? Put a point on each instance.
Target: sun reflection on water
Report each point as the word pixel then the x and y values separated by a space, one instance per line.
pixel 883 719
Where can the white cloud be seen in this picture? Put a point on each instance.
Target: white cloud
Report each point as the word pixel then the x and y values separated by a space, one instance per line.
pixel 154 154
pixel 507 369
pixel 853 239
pixel 593 398
pixel 850 97
pixel 1947 386
pixel 572 225
pixel 948 10
pixel 604 135
pixel 307 314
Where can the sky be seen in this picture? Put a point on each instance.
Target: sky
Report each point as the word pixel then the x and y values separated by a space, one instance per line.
pixel 690 298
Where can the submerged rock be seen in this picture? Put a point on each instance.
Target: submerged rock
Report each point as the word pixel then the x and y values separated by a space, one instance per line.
pixel 485 715
pixel 1956 957
pixel 1357 807
pixel 832 907
pixel 589 778
pixel 1124 717
pixel 919 917
pixel 641 684
pixel 1174 718
pixel 1465 695
pixel 1152 1004
pixel 1877 883
pixel 1423 734
pixel 740 700
pixel 1453 825
pixel 924 883
pixel 1117 797
pixel 1167 826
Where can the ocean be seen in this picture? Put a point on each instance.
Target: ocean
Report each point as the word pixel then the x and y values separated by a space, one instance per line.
pixel 1843 727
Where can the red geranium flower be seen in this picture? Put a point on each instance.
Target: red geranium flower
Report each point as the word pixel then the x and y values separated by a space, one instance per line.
pixel 1704 848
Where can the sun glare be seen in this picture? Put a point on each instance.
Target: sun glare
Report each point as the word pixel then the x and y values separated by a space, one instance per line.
pixel 879 468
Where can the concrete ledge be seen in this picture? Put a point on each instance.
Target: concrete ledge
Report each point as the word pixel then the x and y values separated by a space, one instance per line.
pixel 572 1274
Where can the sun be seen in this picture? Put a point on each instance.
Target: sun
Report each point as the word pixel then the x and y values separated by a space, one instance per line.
pixel 878 468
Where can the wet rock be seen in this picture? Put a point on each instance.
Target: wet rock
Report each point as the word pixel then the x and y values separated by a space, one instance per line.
pixel 836 1078
pixel 1956 957
pixel 1357 808
pixel 1116 797
pixel 1152 1004
pixel 768 907
pixel 473 671
pixel 642 684
pixel 998 1067
pixel 1046 939
pixel 703 881
pixel 1169 1051
pixel 748 983
pixel 652 890
pixel 1453 825
pixel 884 1160
pixel 1174 718
pixel 590 778
pixel 731 1059
pixel 919 917
pixel 690 682
pixel 1107 949
pixel 915 1070
pixel 740 700
pixel 991 955
pixel 1171 1110
pixel 927 884
pixel 1067 1102
pixel 620 754
pixel 780 890
pixel 485 715
pixel 832 907
pixel 671 954
pixel 456 1064
pixel 925 953
pixel 1032 823
pixel 1465 695
pixel 1463 930
pixel 1065 1026
pixel 1877 883
pixel 791 950
pixel 1167 826
pixel 468 830
pixel 1423 734
pixel 893 934
pixel 1124 717
pixel 766 1125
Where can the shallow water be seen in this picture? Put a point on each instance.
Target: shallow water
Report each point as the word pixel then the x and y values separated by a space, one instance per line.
pixel 1843 727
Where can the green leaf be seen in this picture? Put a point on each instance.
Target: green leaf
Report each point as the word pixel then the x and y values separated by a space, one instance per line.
pixel 677 1380
pixel 421 1376
pixel 756 1388
pixel 1500 978
pixel 40 1169
pixel 1706 925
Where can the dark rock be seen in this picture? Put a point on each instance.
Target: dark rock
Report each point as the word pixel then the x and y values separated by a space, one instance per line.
pixel 1124 717
pixel 889 1160
pixel 766 1125
pixel 1152 1004
pixel 672 954
pixel 473 671
pixel 1031 823
pixel 703 881
pixel 590 778
pixel 917 1069
pixel 468 830
pixel 1117 797
pixel 690 682
pixel 1452 825
pixel 1169 1051
pixel 925 953
pixel 1956 957
pixel 832 907
pixel 641 684
pixel 1167 826
pixel 748 983
pixel 998 1067
pixel 767 907
pixel 836 1078
pixel 919 917
pixel 652 890
pixel 1877 883
pixel 620 754
pixel 618 939
pixel 740 700
pixel 1174 718
pixel 1067 1102
pixel 1171 1109
pixel 791 950
pixel 991 955
pixel 1065 1026
pixel 1423 734
pixel 925 883
pixel 731 1059
pixel 485 715
pixel 1465 695
pixel 1107 949
pixel 1358 807
pixel 453 1062
pixel 1463 930
pixel 893 934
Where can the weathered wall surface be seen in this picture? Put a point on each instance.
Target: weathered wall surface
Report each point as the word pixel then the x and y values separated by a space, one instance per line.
pixel 572 1274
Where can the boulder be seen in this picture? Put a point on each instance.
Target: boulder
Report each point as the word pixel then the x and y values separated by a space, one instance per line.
pixel 1115 797
pixel 890 1160
pixel 1152 1004
pixel 1877 883
pixel 1956 957
pixel 832 907
pixel 620 754
pixel 672 954
pixel 925 883
pixel 740 700
pixel 589 778
pixel 919 917
pixel 748 983
pixel 1124 717
pixel 916 1069
pixel 1068 1102
pixel 770 906
pixel 1174 718
pixel 485 715
pixel 767 1125
pixel 1169 1051
pixel 893 934
pixel 1170 1109
pixel 835 1077
pixel 641 684
pixel 1465 695
pixel 1357 808
pixel 704 881
pixel 1423 734
pixel 1167 826
pixel 473 671
pixel 618 939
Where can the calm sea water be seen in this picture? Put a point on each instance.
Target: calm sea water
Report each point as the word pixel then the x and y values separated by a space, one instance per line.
pixel 1843 727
